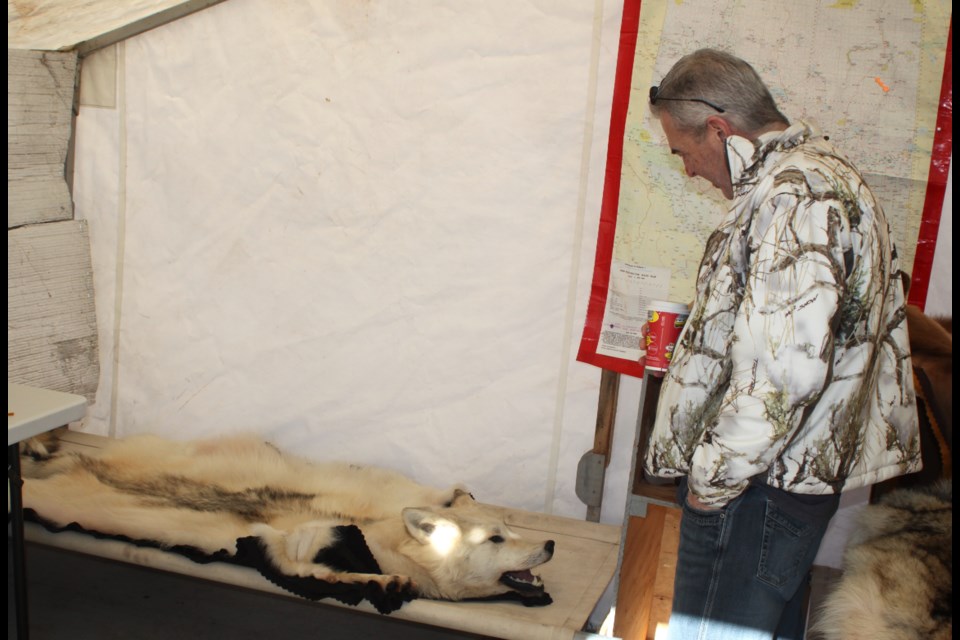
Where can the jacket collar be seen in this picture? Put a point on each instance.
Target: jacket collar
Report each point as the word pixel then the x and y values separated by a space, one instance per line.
pixel 745 157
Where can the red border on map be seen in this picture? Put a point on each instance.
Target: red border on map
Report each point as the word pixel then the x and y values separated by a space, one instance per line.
pixel 936 183
pixel 611 199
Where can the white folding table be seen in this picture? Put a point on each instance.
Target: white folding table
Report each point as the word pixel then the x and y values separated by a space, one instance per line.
pixel 30 412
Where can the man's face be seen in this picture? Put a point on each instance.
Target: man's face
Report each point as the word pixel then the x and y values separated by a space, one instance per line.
pixel 705 156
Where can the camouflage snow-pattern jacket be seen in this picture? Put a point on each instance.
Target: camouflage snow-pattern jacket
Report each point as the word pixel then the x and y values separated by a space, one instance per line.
pixel 794 365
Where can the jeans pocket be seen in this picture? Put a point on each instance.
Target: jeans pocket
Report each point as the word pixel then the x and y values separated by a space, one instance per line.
pixel 710 518
pixel 787 549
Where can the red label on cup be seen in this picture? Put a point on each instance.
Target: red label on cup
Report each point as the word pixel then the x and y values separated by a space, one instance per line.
pixel 665 320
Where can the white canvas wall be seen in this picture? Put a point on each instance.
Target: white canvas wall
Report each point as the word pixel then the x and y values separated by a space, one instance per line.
pixel 363 230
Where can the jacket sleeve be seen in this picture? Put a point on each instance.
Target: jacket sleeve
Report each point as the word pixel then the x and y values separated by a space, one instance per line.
pixel 782 347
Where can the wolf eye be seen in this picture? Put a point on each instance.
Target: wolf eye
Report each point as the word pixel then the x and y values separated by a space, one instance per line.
pixel 495 539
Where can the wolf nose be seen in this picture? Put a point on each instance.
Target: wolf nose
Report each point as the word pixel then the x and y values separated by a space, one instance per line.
pixel 548 545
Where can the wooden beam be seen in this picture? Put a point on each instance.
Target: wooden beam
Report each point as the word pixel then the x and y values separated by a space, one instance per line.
pixel 606 413
pixel 40 106
pixel 51 321
pixel 603 432
pixel 84 27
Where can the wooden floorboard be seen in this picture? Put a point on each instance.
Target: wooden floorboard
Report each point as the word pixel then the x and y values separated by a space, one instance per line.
pixel 645 594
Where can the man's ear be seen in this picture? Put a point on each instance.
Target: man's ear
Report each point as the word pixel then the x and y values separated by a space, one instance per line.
pixel 718 127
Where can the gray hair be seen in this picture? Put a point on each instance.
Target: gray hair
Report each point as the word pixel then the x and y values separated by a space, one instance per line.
pixel 709 75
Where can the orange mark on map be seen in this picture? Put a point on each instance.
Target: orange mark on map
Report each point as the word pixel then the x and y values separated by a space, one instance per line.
pixel 881 83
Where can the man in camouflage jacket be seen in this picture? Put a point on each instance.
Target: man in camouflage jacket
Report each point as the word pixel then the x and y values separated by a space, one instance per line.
pixel 794 363
pixel 792 379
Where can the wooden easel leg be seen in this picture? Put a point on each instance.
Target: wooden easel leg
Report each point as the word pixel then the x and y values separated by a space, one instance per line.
pixel 603 436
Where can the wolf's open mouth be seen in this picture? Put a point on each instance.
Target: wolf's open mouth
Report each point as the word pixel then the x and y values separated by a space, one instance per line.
pixel 522 581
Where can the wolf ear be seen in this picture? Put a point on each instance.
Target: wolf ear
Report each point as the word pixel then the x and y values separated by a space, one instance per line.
pixel 460 497
pixel 421 523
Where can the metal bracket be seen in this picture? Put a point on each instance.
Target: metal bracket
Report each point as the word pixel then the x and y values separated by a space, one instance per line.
pixel 590 474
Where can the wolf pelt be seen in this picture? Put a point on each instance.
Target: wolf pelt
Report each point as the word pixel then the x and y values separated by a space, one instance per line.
pixel 206 494
pixel 897 581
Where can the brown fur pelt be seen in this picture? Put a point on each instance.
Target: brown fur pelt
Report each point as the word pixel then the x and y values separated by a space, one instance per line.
pixel 897 581
pixel 931 347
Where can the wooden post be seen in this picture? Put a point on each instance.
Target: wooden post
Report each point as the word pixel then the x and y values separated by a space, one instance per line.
pixel 603 435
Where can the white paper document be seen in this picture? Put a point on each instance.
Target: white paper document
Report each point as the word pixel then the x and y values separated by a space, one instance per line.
pixel 631 289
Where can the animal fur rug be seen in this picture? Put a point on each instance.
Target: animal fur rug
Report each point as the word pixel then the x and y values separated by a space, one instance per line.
pixel 897 581
pixel 317 530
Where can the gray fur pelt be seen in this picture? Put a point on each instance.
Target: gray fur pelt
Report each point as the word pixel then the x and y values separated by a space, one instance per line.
pixel 897 581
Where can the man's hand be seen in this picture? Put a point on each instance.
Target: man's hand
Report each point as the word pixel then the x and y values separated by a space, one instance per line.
pixel 644 330
pixel 695 503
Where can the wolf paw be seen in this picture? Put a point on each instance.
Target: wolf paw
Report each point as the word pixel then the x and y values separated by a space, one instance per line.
pixel 395 584
pixel 41 447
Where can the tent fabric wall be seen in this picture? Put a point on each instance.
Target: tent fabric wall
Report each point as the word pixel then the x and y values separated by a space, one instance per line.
pixel 365 231
pixel 361 230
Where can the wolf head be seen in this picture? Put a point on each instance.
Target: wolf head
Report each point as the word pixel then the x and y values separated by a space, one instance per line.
pixel 468 551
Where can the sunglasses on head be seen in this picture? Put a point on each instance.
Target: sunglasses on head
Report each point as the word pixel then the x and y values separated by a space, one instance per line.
pixel 655 95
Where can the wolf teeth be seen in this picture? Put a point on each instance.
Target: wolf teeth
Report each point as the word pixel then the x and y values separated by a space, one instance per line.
pixel 524 582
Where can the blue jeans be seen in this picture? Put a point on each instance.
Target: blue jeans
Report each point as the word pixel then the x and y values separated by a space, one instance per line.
pixel 743 571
